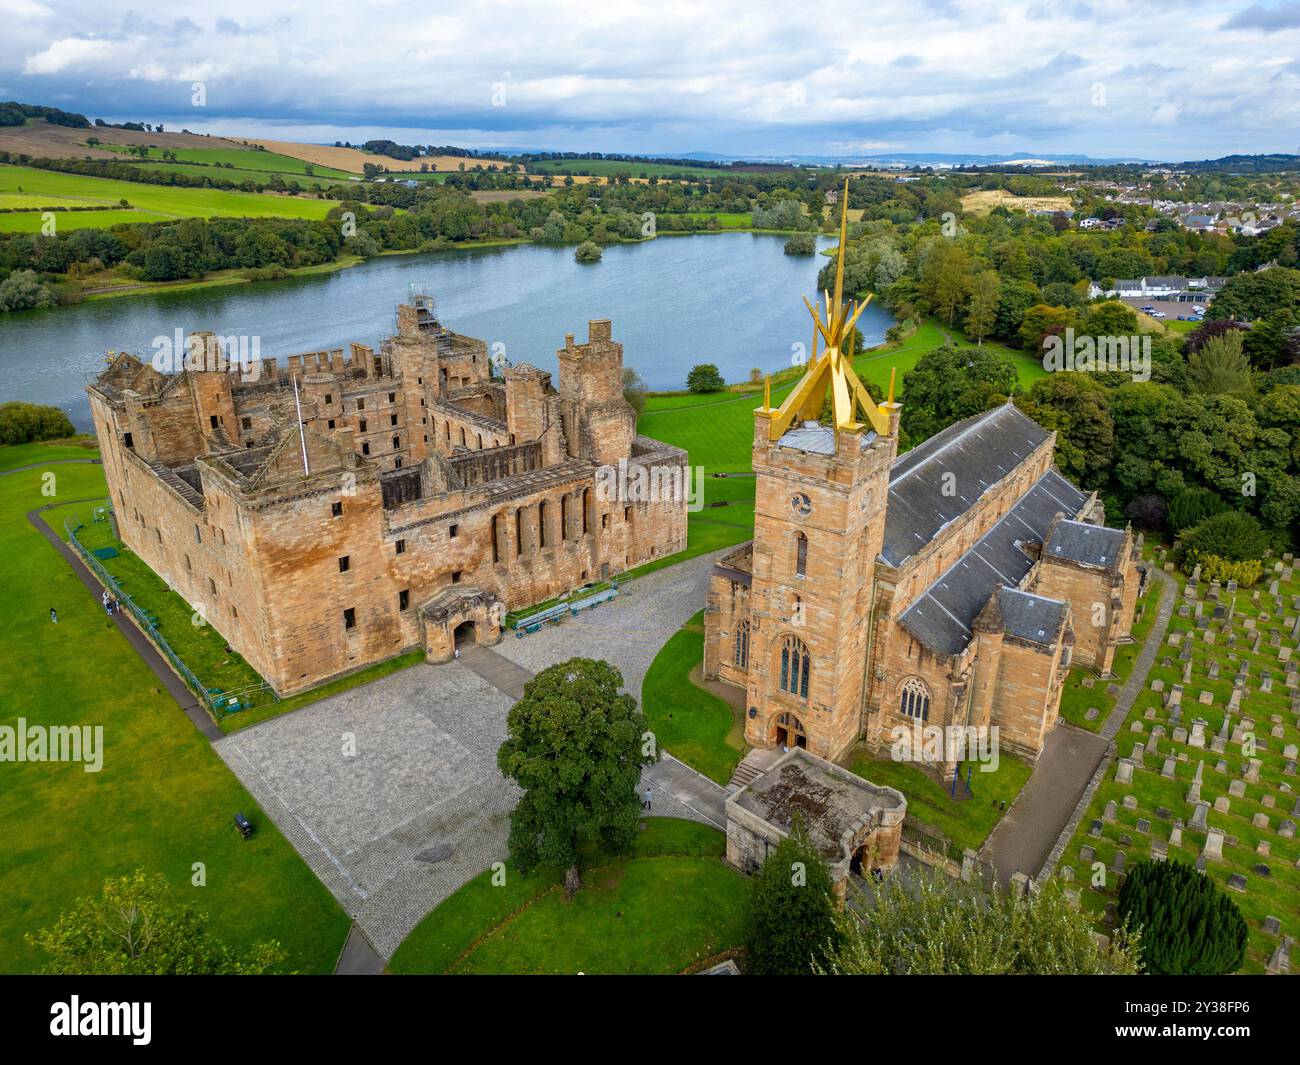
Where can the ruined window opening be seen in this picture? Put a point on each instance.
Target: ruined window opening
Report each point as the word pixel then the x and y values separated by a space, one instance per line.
pixel 350 618
pixel 363 425
pixel 392 397
pixel 392 419
pixel 401 547
pixel 331 423
pixel 198 536
pixel 248 423
pixel 403 599
pixel 128 440
pixel 801 556
pixel 453 531
pixel 345 563
pixel 365 448
pixel 455 577
pixel 336 510
pixel 397 463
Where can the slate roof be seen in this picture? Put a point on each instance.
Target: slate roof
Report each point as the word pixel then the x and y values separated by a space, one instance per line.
pixel 1030 617
pixel 1093 545
pixel 942 617
pixel 978 452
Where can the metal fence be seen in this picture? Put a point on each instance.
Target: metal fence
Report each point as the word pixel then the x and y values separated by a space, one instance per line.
pixel 218 702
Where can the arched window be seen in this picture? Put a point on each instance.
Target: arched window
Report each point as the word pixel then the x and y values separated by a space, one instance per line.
pixel 801 556
pixel 914 699
pixel 796 666
pixel 741 650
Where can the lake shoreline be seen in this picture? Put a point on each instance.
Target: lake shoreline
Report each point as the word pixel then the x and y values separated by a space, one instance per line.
pixel 226 278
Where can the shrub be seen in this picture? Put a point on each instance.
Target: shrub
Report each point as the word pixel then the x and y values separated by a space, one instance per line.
pixel 22 291
pixel 1214 568
pixel 588 252
pixel 1188 926
pixel 1233 535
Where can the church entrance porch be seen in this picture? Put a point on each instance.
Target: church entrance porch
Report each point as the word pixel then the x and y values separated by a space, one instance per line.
pixel 788 732
pixel 460 617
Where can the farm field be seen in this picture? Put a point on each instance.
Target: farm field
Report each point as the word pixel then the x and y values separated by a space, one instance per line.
pixel 28 186
pixel 984 200
pixel 240 158
pixel 353 160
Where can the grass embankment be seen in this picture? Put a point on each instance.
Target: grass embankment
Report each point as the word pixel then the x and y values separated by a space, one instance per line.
pixel 668 906
pixel 694 725
pixel 163 800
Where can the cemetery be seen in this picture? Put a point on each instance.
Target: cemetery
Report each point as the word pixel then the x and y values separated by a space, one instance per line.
pixel 1204 768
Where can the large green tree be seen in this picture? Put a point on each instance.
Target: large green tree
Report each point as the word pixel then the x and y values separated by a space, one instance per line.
pixel 1188 926
pixel 791 925
pixel 576 744
pixel 938 927
pixel 952 383
pixel 137 926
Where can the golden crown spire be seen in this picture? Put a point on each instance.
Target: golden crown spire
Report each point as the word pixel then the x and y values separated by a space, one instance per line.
pixel 833 369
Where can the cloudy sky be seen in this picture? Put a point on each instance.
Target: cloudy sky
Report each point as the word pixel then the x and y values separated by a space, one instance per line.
pixel 1107 78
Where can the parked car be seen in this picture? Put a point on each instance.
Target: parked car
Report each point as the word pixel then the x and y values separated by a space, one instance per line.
pixel 1159 314
pixel 1148 309
pixel 1197 309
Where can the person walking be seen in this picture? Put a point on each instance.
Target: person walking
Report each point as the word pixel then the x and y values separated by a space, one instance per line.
pixel 649 795
pixel 54 616
pixel 104 599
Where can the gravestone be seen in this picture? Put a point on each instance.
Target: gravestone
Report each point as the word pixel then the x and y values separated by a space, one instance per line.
pixel 1213 845
pixel 1124 771
pixel 1199 815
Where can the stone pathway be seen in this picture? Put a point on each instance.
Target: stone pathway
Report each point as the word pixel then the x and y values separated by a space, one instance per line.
pixel 1031 835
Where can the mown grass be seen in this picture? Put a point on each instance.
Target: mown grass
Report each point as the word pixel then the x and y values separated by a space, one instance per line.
pixel 966 821
pixel 78 447
pixel 694 725
pixel 163 800
pixel 668 905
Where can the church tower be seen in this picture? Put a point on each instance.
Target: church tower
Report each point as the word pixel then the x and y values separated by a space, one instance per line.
pixel 819 522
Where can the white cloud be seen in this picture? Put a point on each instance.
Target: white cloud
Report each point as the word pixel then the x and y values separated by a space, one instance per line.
pixel 676 75
pixel 65 53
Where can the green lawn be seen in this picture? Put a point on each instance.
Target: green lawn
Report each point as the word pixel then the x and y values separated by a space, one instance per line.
pixel 695 726
pixel 965 822
pixel 163 800
pixel 33 186
pixel 77 447
pixel 669 905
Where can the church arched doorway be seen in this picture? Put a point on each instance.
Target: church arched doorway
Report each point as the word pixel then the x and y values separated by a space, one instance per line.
pixel 790 731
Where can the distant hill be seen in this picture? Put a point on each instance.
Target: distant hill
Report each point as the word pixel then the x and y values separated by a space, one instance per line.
pixel 1247 164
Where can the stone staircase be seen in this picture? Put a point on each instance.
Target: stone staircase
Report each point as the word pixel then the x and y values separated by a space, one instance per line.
pixel 751 767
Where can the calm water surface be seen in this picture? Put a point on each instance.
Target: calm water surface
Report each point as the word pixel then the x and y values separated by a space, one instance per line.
pixel 731 298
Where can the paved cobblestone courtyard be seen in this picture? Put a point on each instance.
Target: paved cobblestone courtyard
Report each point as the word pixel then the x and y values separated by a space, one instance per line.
pixel 390 791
